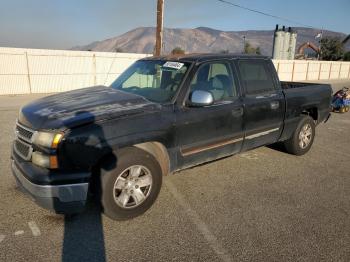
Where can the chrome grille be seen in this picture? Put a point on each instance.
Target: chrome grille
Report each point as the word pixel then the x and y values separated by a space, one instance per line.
pixel 23 142
pixel 24 132
pixel 23 149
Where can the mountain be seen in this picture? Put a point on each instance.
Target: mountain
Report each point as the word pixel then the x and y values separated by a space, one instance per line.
pixel 201 39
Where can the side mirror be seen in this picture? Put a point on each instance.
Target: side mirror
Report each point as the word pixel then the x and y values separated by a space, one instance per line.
pixel 201 98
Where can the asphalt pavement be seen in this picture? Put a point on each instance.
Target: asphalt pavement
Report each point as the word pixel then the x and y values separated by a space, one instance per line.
pixel 262 205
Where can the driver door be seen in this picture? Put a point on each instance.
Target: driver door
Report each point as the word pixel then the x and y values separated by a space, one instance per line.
pixel 209 132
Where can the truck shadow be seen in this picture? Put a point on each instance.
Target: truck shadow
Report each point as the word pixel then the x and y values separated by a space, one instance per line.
pixel 83 236
pixel 83 233
pixel 278 147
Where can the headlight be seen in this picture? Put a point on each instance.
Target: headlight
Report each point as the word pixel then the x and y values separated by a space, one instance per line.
pixel 44 160
pixel 47 139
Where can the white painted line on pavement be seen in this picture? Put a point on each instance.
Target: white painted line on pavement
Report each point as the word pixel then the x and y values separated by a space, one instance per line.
pixel 35 229
pixel 201 226
pixel 19 232
pixel 2 237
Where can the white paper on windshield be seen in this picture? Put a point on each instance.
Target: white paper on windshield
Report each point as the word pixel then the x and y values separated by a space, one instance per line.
pixel 174 65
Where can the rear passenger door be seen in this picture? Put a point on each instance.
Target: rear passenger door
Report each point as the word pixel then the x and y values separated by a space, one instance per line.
pixel 264 103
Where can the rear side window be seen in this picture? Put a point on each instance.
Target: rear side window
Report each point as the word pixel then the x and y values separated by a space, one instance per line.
pixel 256 77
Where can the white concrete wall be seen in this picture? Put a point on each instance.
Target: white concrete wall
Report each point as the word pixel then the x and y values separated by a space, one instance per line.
pixel 302 70
pixel 24 71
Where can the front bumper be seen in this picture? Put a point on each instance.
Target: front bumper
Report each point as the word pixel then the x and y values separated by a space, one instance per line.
pixel 62 199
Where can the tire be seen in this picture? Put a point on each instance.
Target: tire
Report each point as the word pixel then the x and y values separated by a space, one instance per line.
pixel 342 110
pixel 300 143
pixel 137 174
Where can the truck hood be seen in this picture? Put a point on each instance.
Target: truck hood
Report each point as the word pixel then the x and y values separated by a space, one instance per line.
pixel 82 106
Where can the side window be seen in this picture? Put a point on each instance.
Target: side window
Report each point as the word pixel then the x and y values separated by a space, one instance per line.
pixel 215 78
pixel 256 77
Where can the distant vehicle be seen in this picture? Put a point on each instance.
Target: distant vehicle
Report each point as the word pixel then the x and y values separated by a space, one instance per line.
pixel 161 115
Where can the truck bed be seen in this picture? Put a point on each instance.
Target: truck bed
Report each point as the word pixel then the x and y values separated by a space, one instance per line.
pixel 290 85
pixel 303 95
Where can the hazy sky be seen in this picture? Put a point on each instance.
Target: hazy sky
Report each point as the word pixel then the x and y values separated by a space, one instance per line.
pixel 65 23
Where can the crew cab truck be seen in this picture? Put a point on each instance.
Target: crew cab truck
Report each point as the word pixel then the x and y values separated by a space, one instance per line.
pixel 161 115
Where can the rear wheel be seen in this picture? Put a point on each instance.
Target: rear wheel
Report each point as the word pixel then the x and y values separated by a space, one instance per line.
pixel 132 186
pixel 302 138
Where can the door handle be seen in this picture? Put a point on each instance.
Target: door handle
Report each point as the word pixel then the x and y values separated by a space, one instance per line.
pixel 237 111
pixel 274 105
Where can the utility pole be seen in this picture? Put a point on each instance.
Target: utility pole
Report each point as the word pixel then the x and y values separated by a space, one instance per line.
pixel 159 31
pixel 243 51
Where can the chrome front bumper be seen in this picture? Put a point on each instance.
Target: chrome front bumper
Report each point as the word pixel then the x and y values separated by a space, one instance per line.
pixel 68 198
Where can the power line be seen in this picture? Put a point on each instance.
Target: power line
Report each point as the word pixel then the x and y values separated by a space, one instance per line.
pixel 263 13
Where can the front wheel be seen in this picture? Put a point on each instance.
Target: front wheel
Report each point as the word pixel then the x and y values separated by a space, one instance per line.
pixel 132 186
pixel 302 138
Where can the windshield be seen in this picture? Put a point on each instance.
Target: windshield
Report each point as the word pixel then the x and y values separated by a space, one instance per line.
pixel 155 80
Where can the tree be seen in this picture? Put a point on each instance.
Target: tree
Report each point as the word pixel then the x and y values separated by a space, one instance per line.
pixel 119 50
pixel 249 49
pixel 332 49
pixel 178 51
pixel 258 52
pixel 347 56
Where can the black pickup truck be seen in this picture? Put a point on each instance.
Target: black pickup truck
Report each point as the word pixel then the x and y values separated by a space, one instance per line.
pixel 161 115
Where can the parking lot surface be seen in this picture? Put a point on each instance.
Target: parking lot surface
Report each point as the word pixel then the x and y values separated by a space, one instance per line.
pixel 262 205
